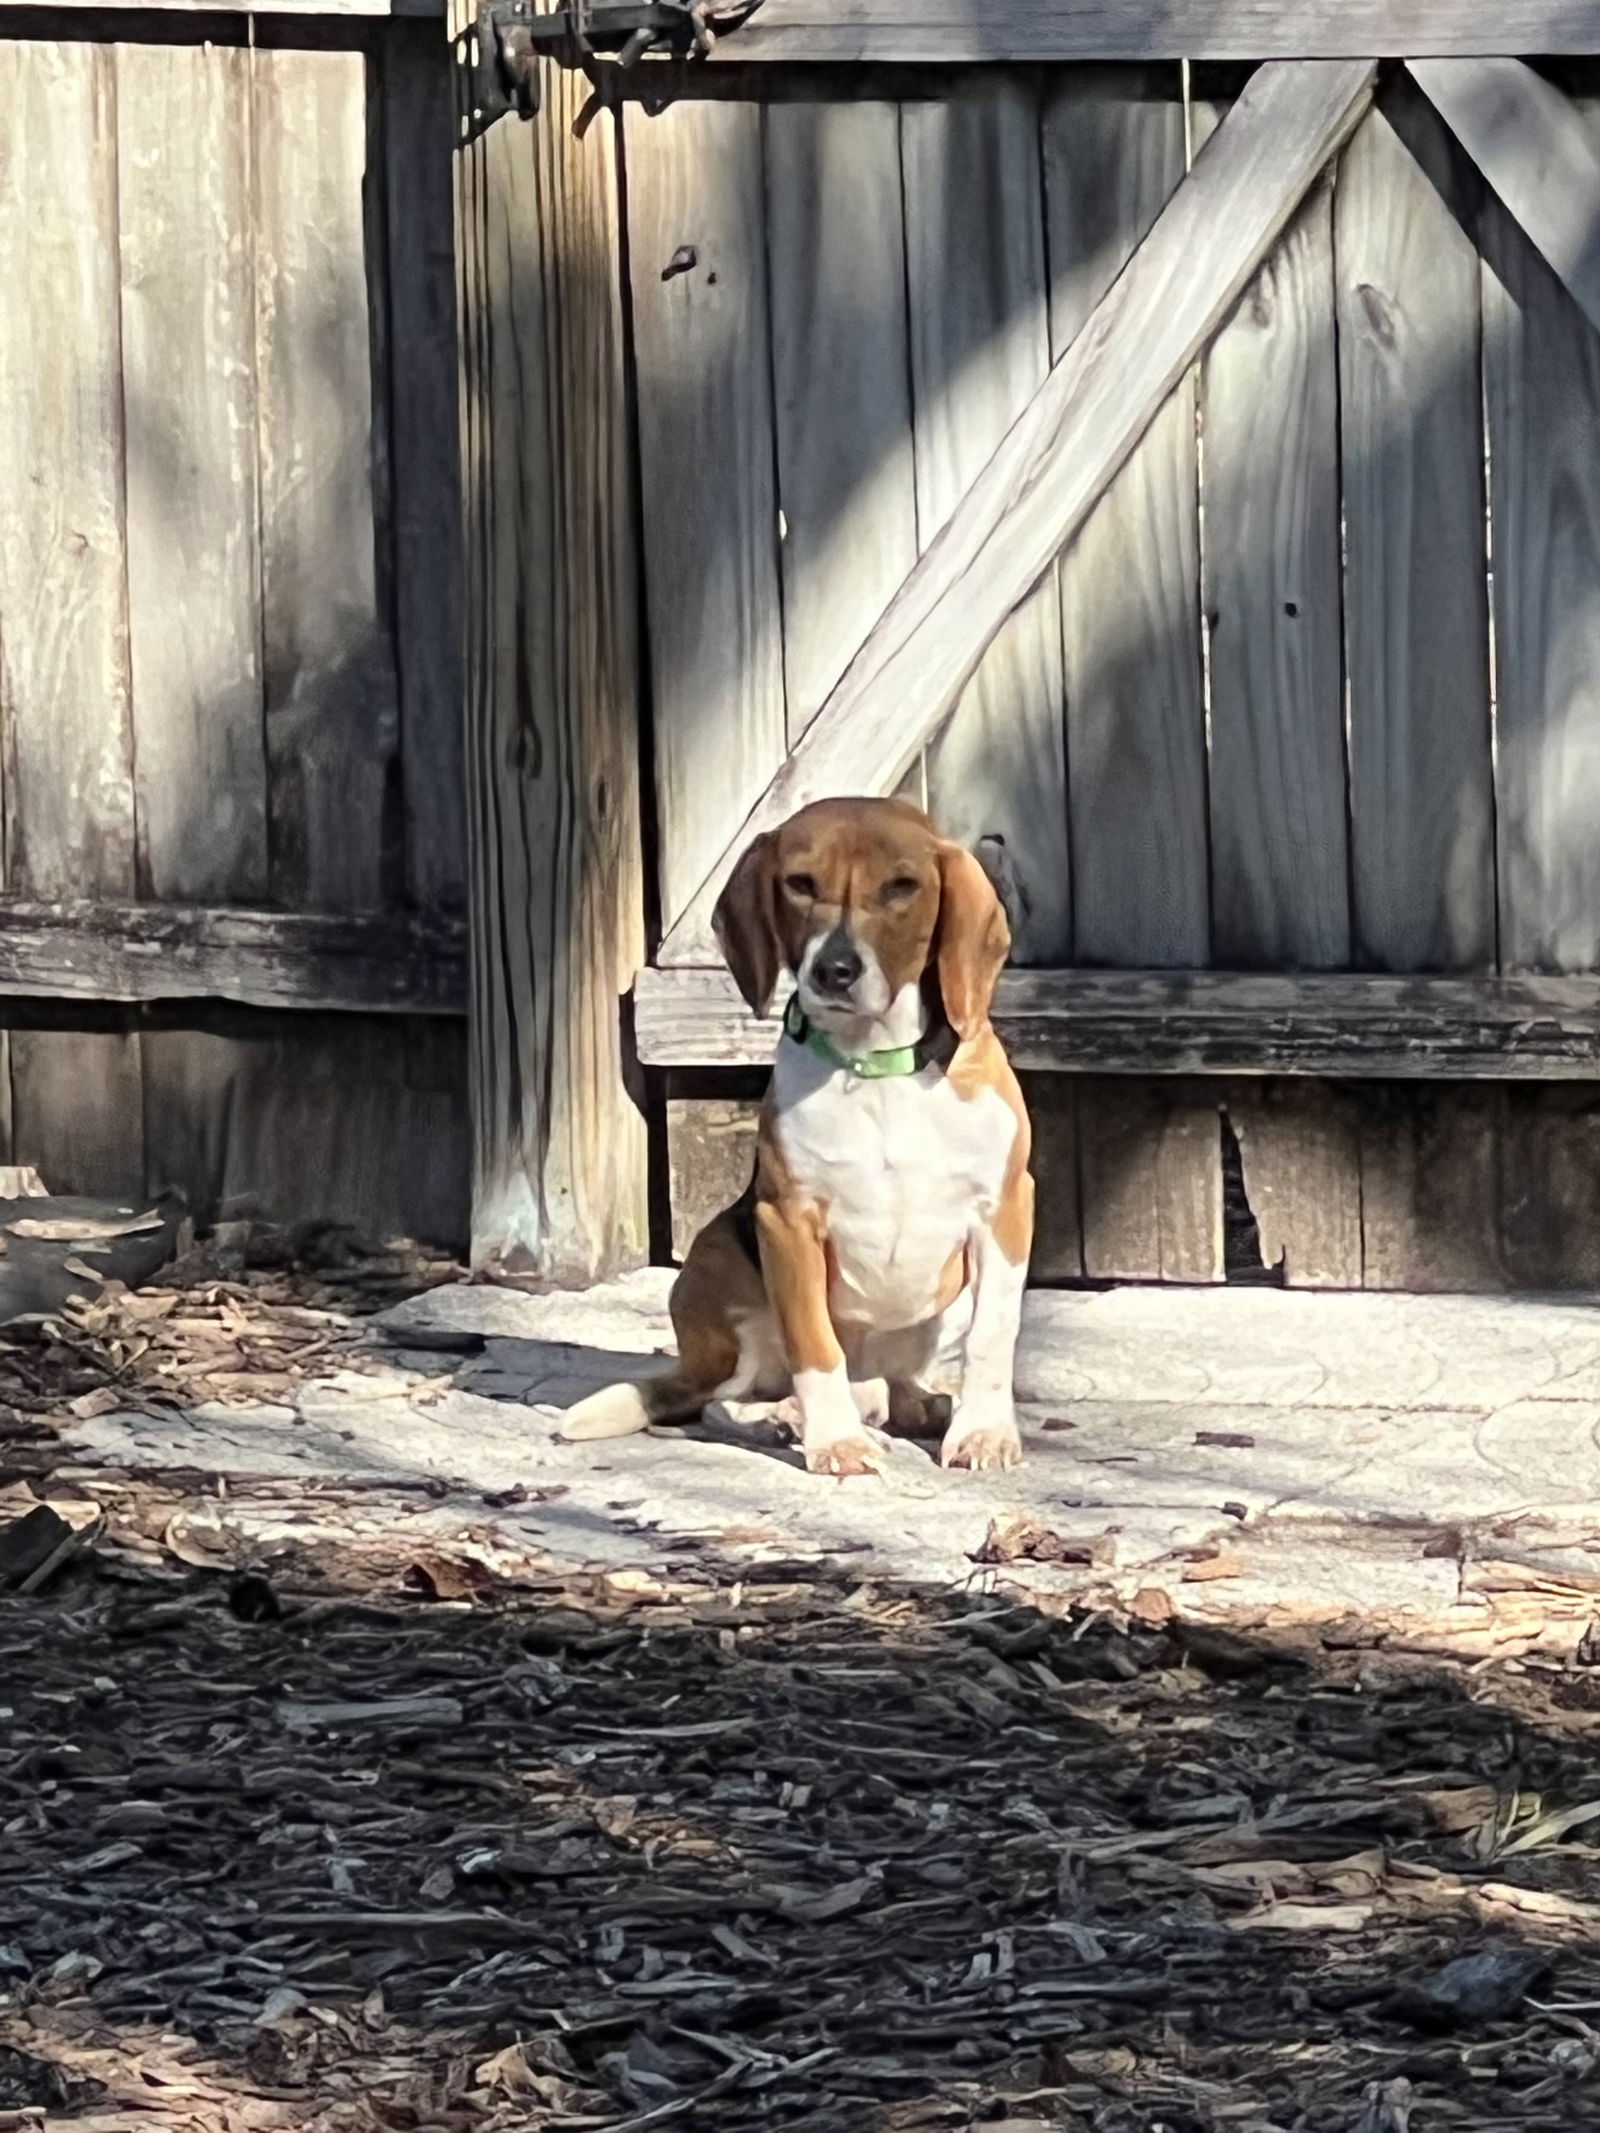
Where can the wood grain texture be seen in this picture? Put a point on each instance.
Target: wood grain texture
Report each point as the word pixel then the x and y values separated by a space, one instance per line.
pixel 953 31
pixel 709 502
pixel 1542 390
pixel 1301 1158
pixel 1430 1187
pixel 77 1108
pixel 1416 588
pixel 1280 884
pixel 64 666
pixel 1150 1181
pixel 846 489
pixel 980 349
pixel 65 691
pixel 95 950
pixel 1133 1022
pixel 1057 1255
pixel 332 712
pixel 344 1093
pixel 1062 451
pixel 425 461
pixel 557 893
pixel 1539 153
pixel 194 563
pixel 1114 151
pixel 1549 1146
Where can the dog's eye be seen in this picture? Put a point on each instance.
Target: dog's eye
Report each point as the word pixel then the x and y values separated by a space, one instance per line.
pixel 801 885
pixel 903 885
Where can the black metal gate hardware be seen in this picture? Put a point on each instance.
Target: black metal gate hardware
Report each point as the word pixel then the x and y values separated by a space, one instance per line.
pixel 505 45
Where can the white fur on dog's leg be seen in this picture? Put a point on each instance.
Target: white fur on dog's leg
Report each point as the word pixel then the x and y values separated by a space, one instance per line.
pixel 618 1411
pixel 871 1396
pixel 983 1429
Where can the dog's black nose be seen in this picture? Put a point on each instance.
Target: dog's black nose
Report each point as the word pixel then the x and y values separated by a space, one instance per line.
pixel 837 966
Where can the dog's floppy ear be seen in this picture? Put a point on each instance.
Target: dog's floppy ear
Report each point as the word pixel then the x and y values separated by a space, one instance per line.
pixel 971 942
pixel 746 923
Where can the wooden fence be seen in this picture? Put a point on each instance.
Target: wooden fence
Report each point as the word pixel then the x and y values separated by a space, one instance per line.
pixel 1184 475
pixel 1312 691
pixel 229 614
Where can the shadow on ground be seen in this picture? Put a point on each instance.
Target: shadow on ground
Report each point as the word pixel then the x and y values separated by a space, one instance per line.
pixel 789 1851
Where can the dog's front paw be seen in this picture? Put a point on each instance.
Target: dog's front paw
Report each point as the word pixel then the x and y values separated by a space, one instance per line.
pixel 982 1442
pixel 844 1452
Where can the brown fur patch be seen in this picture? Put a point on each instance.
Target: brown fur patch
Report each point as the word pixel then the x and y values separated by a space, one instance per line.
pixel 794 1266
pixel 920 904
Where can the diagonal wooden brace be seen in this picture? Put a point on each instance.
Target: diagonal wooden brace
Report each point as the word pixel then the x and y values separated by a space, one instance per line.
pixel 1538 155
pixel 1061 454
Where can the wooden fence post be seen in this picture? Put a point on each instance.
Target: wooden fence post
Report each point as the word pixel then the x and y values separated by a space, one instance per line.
pixel 551 687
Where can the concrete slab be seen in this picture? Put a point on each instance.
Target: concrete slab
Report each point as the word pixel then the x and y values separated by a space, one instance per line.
pixel 1242 1449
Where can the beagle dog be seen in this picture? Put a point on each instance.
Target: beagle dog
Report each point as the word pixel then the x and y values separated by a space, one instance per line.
pixel 890 1216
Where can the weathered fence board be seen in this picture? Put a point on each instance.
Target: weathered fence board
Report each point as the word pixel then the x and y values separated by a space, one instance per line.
pixel 1113 152
pixel 1542 373
pixel 1150 1181
pixel 77 1108
pixel 1430 1187
pixel 557 899
pixel 1280 885
pixel 188 329
pixel 69 807
pixel 1206 1022
pixel 418 134
pixel 1062 452
pixel 835 242
pixel 697 258
pixel 980 349
pixel 332 715
pixel 1416 597
pixel 956 32
pixel 64 674
pixel 1302 1175
pixel 203 234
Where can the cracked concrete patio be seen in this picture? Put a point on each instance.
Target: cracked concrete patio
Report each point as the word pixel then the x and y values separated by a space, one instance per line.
pixel 1244 1454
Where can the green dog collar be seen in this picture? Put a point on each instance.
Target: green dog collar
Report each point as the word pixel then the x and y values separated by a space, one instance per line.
pixel 900 1059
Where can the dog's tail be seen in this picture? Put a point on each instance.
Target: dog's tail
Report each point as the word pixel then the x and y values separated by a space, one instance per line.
pixel 623 1410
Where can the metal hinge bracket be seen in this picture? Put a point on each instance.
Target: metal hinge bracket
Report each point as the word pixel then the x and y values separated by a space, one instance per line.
pixel 500 53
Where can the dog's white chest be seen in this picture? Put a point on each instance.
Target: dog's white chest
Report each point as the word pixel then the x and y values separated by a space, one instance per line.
pixel 904 1168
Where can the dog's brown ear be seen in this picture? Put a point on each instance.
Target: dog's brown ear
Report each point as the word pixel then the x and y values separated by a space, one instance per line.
pixel 746 924
pixel 971 942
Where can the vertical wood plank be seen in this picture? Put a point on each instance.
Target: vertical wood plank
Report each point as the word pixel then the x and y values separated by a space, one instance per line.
pixel 846 488
pixel 556 888
pixel 1052 1101
pixel 332 715
pixel 1550 1185
pixel 1542 389
pixel 710 510
pixel 64 668
pixel 1280 891
pixel 1416 587
pixel 194 581
pixel 1150 1173
pixel 425 459
pixel 1300 1153
pixel 1430 1186
pixel 1129 585
pixel 78 1108
pixel 980 348
pixel 64 658
pixel 313 1118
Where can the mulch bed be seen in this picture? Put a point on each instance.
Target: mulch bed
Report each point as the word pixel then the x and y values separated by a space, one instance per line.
pixel 793 1853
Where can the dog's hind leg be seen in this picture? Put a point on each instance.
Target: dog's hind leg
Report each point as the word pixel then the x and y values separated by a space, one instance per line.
pixel 721 1319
